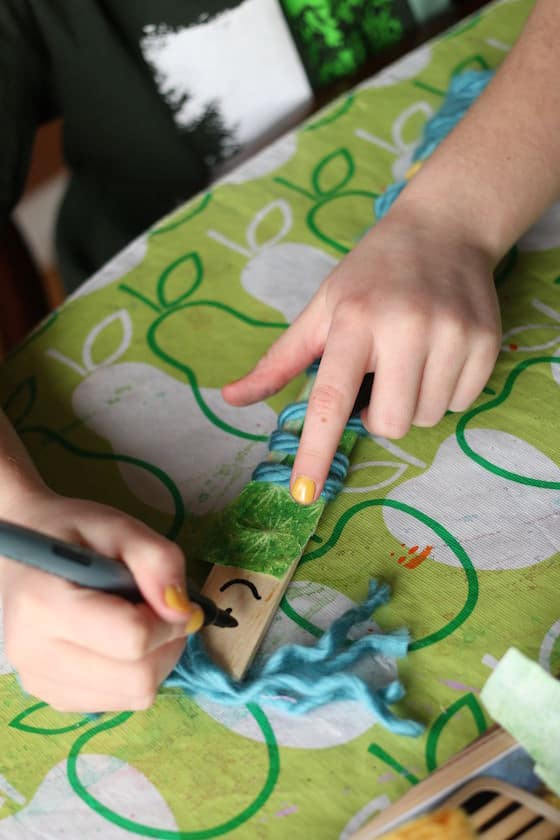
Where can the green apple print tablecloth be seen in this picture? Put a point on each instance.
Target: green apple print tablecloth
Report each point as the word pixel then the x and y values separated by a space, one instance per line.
pixel 117 397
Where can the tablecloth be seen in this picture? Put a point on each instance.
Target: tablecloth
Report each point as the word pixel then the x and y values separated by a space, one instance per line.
pixel 117 397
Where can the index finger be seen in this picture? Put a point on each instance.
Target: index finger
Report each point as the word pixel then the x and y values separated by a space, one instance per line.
pixel 339 377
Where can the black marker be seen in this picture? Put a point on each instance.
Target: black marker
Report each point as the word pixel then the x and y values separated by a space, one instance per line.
pixel 87 568
pixel 363 396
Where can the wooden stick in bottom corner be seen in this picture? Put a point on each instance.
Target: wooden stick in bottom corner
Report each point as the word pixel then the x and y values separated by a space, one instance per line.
pixel 495 743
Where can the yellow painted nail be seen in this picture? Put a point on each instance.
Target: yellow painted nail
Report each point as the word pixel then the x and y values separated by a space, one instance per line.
pixel 196 620
pixel 412 170
pixel 303 490
pixel 176 599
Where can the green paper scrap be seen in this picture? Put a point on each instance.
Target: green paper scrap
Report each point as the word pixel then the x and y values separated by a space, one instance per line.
pixel 525 699
pixel 263 530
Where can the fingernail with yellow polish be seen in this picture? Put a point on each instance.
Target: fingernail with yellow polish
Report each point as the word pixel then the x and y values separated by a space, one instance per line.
pixel 412 170
pixel 196 620
pixel 176 598
pixel 303 490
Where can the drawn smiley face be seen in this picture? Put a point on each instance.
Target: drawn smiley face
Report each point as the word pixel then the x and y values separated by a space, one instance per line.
pixel 240 582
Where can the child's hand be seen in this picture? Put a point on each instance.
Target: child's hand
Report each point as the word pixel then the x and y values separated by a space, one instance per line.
pixel 81 650
pixel 415 302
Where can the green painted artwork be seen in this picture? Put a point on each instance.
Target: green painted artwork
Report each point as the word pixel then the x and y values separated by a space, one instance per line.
pixel 335 37
pixel 118 399
pixel 263 530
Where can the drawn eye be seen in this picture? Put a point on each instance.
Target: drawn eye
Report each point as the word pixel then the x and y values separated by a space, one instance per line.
pixel 242 582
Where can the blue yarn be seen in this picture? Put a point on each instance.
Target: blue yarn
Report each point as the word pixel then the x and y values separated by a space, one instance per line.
pixel 355 425
pixel 294 411
pixel 297 679
pixel 286 443
pixel 462 92
pixel 385 201
pixel 283 442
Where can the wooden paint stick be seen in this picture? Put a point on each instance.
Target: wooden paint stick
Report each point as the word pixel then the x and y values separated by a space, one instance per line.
pixel 253 598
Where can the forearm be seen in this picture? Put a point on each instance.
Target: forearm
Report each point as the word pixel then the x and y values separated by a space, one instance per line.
pixel 18 475
pixel 500 167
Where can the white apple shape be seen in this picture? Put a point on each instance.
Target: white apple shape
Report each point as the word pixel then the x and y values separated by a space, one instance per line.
pixel 286 276
pixel 55 811
pixel 263 163
pixel 501 524
pixel 149 415
pixel 283 275
pixel 117 267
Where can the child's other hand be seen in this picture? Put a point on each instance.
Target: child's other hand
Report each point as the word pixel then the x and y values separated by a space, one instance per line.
pixel 415 302
pixel 80 650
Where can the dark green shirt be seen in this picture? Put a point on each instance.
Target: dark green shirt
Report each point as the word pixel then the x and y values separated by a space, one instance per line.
pixel 155 96
pixel 117 71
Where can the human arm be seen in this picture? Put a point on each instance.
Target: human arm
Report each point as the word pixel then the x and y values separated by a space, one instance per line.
pixel 415 300
pixel 77 649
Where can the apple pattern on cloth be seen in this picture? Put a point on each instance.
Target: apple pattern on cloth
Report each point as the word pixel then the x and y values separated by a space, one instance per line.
pixel 398 468
pixel 526 518
pixel 522 338
pixel 283 275
pixel 271 158
pixel 397 472
pixel 56 812
pixel 135 406
pixel 401 149
pixel 340 212
pixel 514 339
